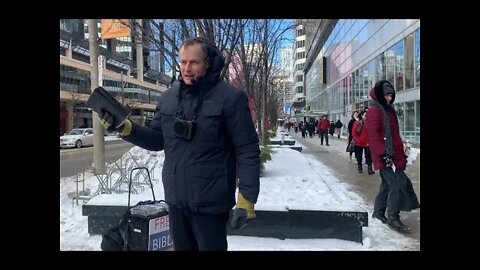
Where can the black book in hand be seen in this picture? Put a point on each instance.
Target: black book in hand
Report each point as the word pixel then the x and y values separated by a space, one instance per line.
pixel 100 100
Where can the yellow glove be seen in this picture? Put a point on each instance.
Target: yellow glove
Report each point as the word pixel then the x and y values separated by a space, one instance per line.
pixel 107 121
pixel 242 213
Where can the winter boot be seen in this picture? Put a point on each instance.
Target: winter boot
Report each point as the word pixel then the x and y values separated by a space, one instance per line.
pixel 395 223
pixel 370 170
pixel 360 170
pixel 380 216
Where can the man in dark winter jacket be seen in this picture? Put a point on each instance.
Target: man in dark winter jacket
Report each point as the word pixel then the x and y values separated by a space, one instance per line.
pixel 338 127
pixel 206 129
pixel 396 190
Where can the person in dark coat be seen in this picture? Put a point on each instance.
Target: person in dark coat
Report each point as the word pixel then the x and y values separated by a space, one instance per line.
pixel 303 128
pixel 311 129
pixel 205 127
pixel 338 127
pixel 396 191
pixel 350 127
pixel 331 130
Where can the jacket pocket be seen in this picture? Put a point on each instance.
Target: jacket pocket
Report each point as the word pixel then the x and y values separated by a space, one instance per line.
pixel 209 122
pixel 209 185
pixel 167 115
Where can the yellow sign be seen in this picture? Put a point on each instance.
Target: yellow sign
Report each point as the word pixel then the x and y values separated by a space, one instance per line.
pixel 113 28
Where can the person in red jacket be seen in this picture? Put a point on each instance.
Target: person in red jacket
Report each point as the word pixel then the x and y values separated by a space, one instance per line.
pixel 322 127
pixel 359 133
pixel 396 191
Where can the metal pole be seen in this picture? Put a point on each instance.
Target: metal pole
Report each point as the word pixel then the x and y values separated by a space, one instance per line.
pixel 98 131
pixel 139 42
pixel 121 83
pixel 174 70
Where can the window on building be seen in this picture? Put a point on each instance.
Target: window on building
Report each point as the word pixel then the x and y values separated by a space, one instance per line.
pixel 300 55
pixel 390 64
pixel 300 66
pixel 399 74
pixel 299 78
pixel 417 58
pixel 371 74
pixel 299 89
pixel 408 60
pixel 410 120
pixel 361 82
pixel 417 117
pixel 400 109
pixel 351 88
pixel 366 84
pixel 300 43
pixel 380 67
pixel 301 32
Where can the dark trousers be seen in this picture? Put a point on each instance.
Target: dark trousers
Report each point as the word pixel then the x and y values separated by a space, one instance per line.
pixel 196 231
pixel 396 193
pixel 359 155
pixel 323 133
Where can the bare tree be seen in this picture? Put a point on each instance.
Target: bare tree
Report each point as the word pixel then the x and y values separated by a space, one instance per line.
pixel 249 46
pixel 257 50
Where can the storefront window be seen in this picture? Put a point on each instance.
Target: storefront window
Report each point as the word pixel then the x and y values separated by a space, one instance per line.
pixel 380 67
pixel 390 58
pixel 399 107
pixel 398 49
pixel 417 115
pixel 410 117
pixel 417 58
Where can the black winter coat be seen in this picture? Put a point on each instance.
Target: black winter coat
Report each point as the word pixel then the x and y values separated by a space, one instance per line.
pixel 201 174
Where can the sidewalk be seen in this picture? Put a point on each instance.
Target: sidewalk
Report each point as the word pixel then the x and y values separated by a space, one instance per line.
pixel 336 158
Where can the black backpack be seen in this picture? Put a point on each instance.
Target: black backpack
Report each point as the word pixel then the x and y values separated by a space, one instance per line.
pixel 114 238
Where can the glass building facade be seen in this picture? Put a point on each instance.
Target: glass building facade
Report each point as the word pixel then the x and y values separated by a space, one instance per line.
pixel 357 54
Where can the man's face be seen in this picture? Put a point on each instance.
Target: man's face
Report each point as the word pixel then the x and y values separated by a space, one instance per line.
pixel 192 63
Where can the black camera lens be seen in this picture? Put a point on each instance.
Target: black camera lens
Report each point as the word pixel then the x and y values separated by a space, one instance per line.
pixel 180 128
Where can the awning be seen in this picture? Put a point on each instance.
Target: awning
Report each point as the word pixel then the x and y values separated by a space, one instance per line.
pixel 299 104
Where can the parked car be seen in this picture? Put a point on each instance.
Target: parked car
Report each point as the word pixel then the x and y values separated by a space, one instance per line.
pixel 77 137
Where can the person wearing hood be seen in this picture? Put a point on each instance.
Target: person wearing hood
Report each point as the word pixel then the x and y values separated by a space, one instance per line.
pixel 396 191
pixel 205 127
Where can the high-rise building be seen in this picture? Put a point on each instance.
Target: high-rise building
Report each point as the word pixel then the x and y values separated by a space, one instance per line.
pixel 285 80
pixel 345 59
pixel 75 86
pixel 299 55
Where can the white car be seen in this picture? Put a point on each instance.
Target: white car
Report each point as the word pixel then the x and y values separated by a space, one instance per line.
pixel 77 138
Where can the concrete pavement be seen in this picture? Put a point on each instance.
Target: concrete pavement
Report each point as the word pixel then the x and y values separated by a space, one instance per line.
pixel 337 159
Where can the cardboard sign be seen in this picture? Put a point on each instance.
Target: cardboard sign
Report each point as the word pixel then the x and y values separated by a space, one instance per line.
pixel 159 238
